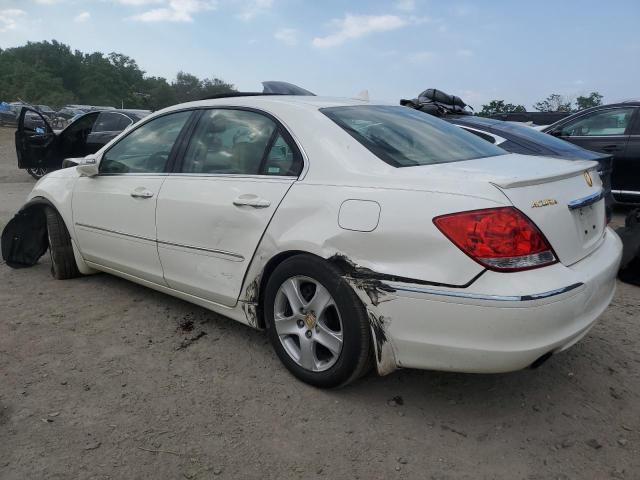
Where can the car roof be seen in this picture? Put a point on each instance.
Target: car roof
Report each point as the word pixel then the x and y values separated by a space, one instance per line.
pixel 270 102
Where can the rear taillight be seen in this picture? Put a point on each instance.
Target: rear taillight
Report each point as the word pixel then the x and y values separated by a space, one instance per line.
pixel 502 239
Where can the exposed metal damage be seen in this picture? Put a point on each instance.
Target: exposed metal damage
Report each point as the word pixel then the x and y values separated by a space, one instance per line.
pixel 250 306
pixel 370 288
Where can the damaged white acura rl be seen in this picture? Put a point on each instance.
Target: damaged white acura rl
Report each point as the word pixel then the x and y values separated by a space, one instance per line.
pixel 356 234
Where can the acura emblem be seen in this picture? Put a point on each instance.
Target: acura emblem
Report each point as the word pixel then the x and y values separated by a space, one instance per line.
pixel 587 178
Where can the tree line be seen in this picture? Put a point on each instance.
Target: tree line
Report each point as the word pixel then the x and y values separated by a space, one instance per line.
pixel 553 103
pixel 50 73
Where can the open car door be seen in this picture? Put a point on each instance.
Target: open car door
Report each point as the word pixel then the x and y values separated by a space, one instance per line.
pixel 35 140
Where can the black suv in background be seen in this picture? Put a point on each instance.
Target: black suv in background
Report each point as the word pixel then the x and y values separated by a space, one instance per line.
pixel 613 130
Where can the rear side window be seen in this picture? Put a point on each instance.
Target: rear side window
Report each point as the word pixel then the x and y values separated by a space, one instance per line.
pixel 404 137
pixel 282 159
pixel 145 149
pixel 239 142
pixel 111 122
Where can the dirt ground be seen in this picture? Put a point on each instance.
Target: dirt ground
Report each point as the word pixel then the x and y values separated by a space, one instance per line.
pixel 98 380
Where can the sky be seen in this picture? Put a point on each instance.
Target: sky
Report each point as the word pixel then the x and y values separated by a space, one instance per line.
pixel 513 50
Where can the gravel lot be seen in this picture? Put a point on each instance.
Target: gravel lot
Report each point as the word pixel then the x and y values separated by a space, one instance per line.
pixel 98 380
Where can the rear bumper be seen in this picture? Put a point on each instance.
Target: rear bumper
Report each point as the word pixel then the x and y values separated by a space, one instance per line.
pixel 503 322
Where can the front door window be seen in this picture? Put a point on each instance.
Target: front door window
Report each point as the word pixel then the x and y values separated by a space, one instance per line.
pixel 602 123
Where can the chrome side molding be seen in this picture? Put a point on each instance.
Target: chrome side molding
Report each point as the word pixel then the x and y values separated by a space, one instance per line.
pixel 493 298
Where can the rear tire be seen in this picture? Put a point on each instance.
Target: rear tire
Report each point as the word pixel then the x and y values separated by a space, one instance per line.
pixel 63 261
pixel 344 319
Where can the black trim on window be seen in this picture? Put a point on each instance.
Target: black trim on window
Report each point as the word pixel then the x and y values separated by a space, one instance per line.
pixel 267 150
pixel 635 123
pixel 176 157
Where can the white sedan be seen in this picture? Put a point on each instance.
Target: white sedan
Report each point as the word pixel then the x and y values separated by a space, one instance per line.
pixel 356 234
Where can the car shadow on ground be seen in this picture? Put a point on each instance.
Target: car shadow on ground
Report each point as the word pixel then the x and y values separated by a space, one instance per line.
pixel 430 389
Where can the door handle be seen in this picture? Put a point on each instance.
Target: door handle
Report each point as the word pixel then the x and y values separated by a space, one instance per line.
pixel 250 200
pixel 611 148
pixel 141 192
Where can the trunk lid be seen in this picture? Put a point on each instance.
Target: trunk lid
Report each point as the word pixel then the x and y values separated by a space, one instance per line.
pixel 564 198
pixel 568 207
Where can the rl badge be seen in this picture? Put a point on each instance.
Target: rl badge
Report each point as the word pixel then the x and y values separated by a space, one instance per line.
pixel 587 178
pixel 544 203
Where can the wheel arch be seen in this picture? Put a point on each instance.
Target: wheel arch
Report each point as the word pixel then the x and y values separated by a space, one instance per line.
pixel 267 271
pixel 34 211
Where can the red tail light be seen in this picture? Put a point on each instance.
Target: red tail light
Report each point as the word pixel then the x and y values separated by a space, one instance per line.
pixel 502 239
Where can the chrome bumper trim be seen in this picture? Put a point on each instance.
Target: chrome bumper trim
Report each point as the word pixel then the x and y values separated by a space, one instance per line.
pixel 493 298
pixel 586 201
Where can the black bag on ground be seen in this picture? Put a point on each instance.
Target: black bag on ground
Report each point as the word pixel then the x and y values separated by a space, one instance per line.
pixel 630 235
pixel 24 238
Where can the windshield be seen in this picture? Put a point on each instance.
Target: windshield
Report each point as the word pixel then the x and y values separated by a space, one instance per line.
pixel 403 137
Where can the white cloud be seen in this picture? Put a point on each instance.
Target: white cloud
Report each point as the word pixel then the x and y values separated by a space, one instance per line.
pixel 288 36
pixel 464 52
pixel 82 17
pixel 9 18
pixel 418 58
pixel 355 26
pixel 47 2
pixel 138 3
pixel 406 5
pixel 463 10
pixel 254 8
pixel 174 11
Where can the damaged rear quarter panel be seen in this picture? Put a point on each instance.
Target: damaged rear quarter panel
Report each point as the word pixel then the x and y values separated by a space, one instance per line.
pixel 405 244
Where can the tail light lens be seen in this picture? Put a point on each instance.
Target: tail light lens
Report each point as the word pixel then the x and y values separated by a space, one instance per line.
pixel 502 239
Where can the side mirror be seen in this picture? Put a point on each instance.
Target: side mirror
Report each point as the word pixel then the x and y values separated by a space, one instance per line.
pixel 556 133
pixel 88 166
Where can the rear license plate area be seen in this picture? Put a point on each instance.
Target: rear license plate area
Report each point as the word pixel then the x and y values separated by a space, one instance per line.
pixel 588 222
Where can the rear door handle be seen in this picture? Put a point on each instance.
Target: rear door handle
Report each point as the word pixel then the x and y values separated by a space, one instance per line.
pixel 250 200
pixel 141 192
pixel 611 148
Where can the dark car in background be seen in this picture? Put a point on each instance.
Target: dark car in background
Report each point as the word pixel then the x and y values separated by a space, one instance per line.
pixel 41 149
pixel 48 112
pixel 510 136
pixel 535 118
pixel 614 130
pixel 8 118
pixel 69 112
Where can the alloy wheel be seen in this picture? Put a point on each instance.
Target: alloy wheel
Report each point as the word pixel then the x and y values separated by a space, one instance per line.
pixel 38 172
pixel 308 323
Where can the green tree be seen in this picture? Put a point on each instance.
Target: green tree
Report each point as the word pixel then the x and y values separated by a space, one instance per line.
pixel 554 103
pixel 498 106
pixel 50 73
pixel 592 100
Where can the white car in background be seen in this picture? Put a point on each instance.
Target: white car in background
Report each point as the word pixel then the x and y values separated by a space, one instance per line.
pixel 355 233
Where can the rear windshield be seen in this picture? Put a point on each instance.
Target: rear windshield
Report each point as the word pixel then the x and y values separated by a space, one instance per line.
pixel 404 137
